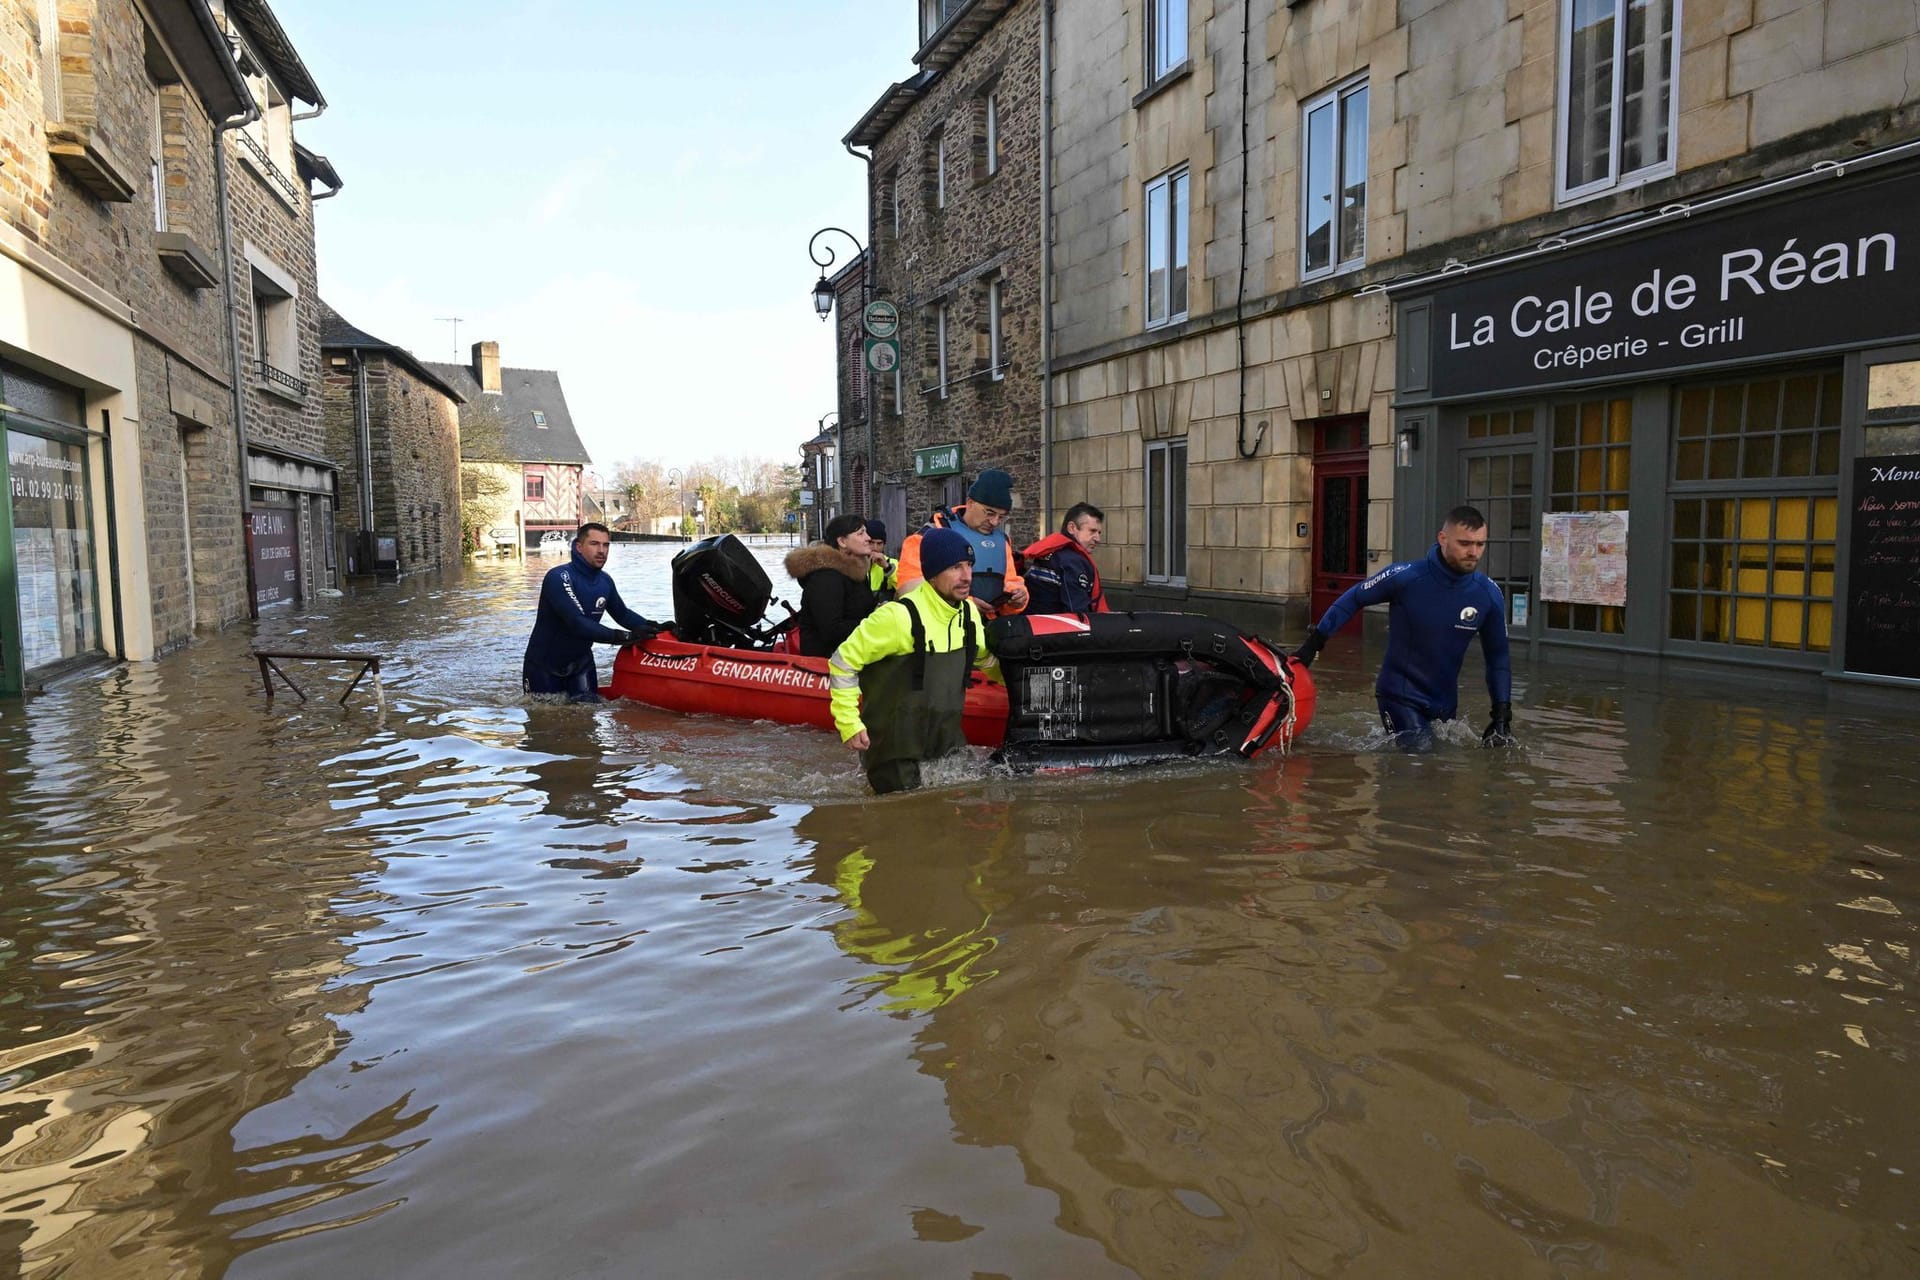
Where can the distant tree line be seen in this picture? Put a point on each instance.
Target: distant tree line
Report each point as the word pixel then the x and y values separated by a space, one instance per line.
pixel 731 495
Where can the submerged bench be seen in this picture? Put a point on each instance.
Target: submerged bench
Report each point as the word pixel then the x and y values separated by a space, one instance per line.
pixel 269 668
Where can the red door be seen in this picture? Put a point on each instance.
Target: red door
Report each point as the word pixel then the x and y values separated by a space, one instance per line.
pixel 1339 548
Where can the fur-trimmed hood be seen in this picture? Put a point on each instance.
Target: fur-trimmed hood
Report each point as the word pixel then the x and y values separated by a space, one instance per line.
pixel 802 561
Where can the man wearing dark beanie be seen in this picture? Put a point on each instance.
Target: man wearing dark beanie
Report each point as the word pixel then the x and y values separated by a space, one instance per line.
pixel 884 577
pixel 997 585
pixel 898 684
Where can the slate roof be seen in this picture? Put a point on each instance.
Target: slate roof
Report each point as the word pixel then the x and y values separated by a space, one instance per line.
pixel 337 334
pixel 270 38
pixel 522 393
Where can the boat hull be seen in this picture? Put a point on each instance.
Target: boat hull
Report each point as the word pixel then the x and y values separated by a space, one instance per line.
pixel 751 684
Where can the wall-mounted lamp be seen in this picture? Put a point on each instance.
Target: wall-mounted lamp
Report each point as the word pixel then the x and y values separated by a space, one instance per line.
pixel 1408 445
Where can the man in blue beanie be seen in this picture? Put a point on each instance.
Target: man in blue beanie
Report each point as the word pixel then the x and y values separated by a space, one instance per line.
pixel 997 585
pixel 883 579
pixel 898 684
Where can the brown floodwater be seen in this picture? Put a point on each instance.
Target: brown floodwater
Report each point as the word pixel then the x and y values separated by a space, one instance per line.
pixel 485 988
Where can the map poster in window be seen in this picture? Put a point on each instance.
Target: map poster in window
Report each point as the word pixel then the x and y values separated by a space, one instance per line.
pixel 1583 557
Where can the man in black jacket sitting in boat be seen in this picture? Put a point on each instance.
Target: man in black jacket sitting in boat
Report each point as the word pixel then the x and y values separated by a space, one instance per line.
pixel 559 657
pixel 836 585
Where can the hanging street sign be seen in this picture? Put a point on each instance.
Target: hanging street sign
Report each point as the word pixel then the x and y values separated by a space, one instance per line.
pixel 883 355
pixel 881 318
pixel 940 460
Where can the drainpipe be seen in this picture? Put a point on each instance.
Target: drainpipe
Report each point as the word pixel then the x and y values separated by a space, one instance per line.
pixel 1240 297
pixel 367 548
pixel 251 114
pixel 868 288
pixel 1046 267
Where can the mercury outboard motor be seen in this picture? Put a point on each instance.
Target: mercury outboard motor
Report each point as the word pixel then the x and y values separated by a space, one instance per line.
pixel 720 594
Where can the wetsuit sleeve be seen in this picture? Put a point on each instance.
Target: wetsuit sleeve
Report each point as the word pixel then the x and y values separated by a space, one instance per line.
pixel 562 596
pixel 617 609
pixel 1493 647
pixel 881 634
pixel 1380 588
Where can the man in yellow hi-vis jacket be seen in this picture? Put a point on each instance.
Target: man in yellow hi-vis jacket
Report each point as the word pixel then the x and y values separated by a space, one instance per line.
pixel 898 684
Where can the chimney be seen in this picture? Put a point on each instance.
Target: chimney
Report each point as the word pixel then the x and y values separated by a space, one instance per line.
pixel 486 366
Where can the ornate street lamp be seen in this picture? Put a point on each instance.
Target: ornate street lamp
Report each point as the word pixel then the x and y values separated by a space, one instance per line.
pixel 823 299
pixel 823 257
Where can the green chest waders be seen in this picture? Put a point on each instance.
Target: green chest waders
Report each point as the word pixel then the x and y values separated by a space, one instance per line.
pixel 912 703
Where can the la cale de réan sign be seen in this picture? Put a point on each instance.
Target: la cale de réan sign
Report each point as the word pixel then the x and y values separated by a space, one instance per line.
pixel 1837 266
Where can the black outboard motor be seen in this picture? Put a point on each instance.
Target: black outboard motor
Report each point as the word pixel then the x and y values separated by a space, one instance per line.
pixel 720 593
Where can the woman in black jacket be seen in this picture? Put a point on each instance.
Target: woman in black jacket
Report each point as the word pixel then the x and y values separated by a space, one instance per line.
pixel 834 591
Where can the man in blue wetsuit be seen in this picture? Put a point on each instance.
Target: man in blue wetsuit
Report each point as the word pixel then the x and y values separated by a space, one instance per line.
pixel 1437 605
pixel 572 598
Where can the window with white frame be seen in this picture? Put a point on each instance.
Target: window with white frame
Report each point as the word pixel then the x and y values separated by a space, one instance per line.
pixel 1167 511
pixel 996 340
pixel 50 58
pixel 276 340
pixel 1333 180
pixel 899 387
pixel 940 343
pixel 1167 248
pixel 940 170
pixel 1619 60
pixel 157 160
pixel 1166 37
pixel 992 110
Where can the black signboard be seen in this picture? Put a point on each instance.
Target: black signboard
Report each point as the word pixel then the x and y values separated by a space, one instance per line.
pixel 276 563
pixel 1834 265
pixel 1883 571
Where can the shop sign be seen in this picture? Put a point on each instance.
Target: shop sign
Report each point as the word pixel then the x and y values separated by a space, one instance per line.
pixel 882 319
pixel 276 563
pixel 940 460
pixel 1837 267
pixel 883 354
pixel 1883 568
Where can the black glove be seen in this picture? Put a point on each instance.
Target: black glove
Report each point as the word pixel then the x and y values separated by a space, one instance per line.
pixel 643 633
pixel 1499 727
pixel 1309 648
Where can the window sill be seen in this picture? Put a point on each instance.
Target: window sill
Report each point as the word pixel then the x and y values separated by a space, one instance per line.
pixel 1163 84
pixel 279 392
pixel 191 265
pixel 1154 326
pixel 1332 273
pixel 79 150
pixel 1586 195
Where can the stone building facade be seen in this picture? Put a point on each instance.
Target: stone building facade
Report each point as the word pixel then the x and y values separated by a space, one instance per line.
pixel 292 485
pixel 114 370
pixel 954 187
pixel 523 467
pixel 1335 182
pixel 394 427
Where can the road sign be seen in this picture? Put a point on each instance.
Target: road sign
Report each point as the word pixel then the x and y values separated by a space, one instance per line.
pixel 883 355
pixel 940 460
pixel 881 318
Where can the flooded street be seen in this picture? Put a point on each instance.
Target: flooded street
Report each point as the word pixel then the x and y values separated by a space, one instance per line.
pixel 485 988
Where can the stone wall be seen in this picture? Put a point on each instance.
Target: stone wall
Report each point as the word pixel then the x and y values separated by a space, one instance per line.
pixel 415 431
pixel 188 462
pixel 989 228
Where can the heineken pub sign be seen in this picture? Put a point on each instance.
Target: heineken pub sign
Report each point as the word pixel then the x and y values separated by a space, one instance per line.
pixel 940 460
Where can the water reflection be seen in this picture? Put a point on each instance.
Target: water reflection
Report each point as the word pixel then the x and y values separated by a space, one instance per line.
pixel 303 990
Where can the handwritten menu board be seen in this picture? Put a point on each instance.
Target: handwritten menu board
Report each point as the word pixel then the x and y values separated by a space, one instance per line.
pixel 1883 574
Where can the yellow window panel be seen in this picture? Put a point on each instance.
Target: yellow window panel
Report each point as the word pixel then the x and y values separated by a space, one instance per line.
pixel 1749 621
pixel 1791 523
pixel 1826 517
pixel 1820 627
pixel 1756 518
pixel 1789 620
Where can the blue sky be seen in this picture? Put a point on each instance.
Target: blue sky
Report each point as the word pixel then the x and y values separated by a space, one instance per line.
pixel 620 191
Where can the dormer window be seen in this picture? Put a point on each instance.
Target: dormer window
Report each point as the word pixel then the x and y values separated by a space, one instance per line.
pixel 539 419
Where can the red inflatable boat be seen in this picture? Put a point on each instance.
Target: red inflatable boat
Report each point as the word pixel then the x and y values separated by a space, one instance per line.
pixel 1081 691
pixel 752 684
